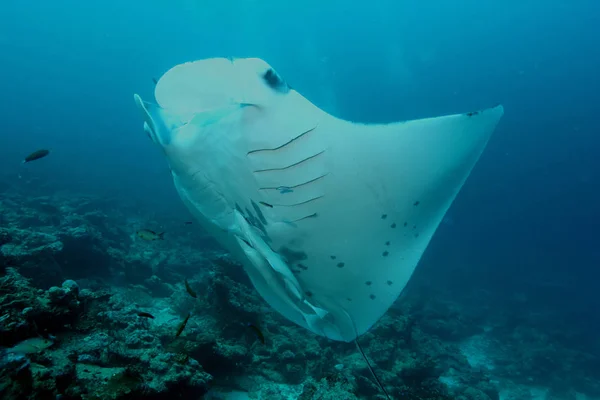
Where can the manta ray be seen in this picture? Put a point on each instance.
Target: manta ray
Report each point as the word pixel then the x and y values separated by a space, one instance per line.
pixel 328 217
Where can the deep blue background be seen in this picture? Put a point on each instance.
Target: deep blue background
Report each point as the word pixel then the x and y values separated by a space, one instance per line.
pixel 528 215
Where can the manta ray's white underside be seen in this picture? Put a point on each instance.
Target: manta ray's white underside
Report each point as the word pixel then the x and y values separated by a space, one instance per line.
pixel 329 218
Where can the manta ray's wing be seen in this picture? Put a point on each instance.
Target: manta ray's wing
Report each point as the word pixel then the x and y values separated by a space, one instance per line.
pixel 329 217
pixel 361 203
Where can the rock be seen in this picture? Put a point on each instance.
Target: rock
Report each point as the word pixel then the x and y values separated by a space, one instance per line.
pixel 71 287
pixel 56 294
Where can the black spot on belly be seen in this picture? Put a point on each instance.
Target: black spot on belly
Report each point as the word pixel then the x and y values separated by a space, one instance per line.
pixel 385 253
pixel 414 227
pixel 340 265
pixel 390 283
pixel 368 283
pixel 417 234
pixel 308 293
pixel 393 225
pixel 416 203
pixel 387 243
pixel 372 297
pixel 292 256
pixel 349 299
pixel 333 257
pixel 405 224
pixel 384 216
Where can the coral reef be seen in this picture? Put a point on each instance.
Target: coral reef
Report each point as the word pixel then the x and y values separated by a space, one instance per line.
pixel 98 311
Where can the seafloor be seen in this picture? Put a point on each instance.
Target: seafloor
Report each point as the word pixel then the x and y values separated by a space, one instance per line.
pixel 72 270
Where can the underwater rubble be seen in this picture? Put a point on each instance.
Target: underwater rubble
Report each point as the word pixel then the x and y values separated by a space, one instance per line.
pixel 89 311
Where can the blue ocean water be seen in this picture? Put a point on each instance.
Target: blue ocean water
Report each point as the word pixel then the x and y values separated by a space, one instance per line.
pixel 523 229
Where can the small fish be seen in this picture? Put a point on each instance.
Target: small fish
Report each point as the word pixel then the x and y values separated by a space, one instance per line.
pixel 182 325
pixel 36 155
pixel 29 346
pixel 189 290
pixel 145 315
pixel 147 234
pixel 258 332
pixel 188 222
pixel 284 190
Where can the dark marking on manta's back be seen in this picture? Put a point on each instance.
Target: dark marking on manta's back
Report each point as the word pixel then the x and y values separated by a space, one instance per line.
pixel 470 114
pixel 275 82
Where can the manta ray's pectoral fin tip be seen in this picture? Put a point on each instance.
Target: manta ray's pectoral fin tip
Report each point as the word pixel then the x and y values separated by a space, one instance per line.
pixel 498 109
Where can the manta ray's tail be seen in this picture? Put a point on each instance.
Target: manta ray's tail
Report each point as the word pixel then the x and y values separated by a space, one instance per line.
pixel 371 369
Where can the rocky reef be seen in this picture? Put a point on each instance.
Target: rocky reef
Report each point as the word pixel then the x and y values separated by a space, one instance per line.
pixel 90 311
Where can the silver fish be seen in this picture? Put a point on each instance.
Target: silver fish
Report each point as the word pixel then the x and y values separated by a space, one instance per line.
pixel 29 346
